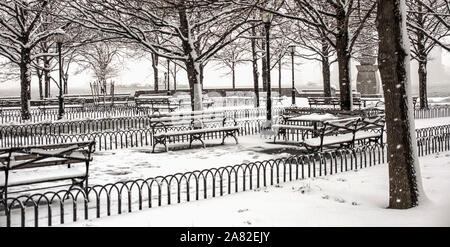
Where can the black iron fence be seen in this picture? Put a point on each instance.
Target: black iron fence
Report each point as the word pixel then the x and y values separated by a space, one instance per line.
pixel 117 198
pixel 51 208
pixel 112 133
pixel 436 111
pixel 124 138
pixel 432 131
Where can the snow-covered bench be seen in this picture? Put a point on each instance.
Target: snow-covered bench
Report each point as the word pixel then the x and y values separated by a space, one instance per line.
pixel 334 101
pixel 346 132
pixel 156 103
pixel 34 164
pixel 281 128
pixel 198 126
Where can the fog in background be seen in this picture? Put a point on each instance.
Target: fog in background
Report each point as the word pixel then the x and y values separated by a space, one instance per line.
pixel 137 74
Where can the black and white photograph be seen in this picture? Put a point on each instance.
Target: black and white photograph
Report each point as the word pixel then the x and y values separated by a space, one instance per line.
pixel 243 116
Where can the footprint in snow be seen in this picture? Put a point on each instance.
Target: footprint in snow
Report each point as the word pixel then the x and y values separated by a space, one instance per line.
pixel 248 222
pixel 340 200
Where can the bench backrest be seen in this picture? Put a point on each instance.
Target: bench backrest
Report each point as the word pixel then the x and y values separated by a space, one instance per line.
pixel 144 100
pixel 330 100
pixel 192 121
pixel 340 126
pixel 373 123
pixel 46 155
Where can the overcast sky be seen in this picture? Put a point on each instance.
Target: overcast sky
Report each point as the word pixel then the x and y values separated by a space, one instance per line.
pixel 307 74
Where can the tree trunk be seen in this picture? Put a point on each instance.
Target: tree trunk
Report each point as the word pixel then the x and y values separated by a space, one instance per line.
pixel 345 90
pixel 255 67
pixel 343 57
pixel 66 79
pixel 174 77
pixel 193 67
pixel 393 59
pixel 423 83
pixel 47 77
pixel 25 84
pixel 202 67
pixel 326 70
pixel 39 75
pixel 279 77
pixel 155 61
pixel 233 76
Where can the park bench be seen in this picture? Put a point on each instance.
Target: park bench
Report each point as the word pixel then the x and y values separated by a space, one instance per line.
pixel 185 102
pixel 156 103
pixel 9 102
pixel 334 101
pixel 194 127
pixel 35 164
pixel 346 132
pixel 282 127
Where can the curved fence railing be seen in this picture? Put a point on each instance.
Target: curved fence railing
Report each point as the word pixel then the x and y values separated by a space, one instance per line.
pixel 117 198
pixel 112 133
pixel 434 130
pixel 87 125
pixel 50 208
pixel 118 139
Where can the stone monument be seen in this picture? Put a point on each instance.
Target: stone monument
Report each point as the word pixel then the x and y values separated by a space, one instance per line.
pixel 367 80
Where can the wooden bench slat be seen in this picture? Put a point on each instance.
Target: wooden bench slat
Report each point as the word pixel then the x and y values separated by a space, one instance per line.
pixel 36 176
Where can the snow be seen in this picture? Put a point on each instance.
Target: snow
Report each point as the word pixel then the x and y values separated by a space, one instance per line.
pixel 355 198
pixel 314 117
pixel 33 176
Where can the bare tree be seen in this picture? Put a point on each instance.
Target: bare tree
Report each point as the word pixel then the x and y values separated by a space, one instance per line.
pixel 102 58
pixel 231 56
pixel 340 22
pixel 427 28
pixel 405 187
pixel 182 26
pixel 314 48
pixel 20 33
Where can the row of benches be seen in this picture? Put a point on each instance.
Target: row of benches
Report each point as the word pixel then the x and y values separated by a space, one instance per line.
pixel 343 132
pixel 194 127
pixel 334 101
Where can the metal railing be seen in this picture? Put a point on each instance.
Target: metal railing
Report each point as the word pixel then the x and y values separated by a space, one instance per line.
pixel 128 196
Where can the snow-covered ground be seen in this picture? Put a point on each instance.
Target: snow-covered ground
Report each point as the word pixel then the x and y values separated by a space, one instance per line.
pixel 131 164
pixel 134 163
pixel 355 198
pixel 348 199
pixel 430 122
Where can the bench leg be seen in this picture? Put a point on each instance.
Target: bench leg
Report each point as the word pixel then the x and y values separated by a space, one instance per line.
pixel 194 137
pixel 161 140
pixel 231 133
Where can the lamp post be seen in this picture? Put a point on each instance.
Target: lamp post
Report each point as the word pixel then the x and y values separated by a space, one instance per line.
pixel 59 39
pixel 266 18
pixel 292 50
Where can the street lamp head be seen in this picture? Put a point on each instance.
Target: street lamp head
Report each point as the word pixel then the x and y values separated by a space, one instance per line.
pixel 60 37
pixel 292 48
pixel 266 16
